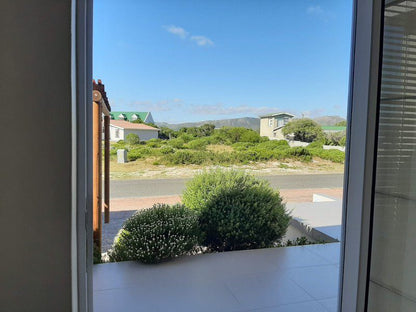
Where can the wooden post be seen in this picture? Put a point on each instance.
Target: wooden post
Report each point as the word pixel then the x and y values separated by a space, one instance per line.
pixel 97 172
pixel 106 169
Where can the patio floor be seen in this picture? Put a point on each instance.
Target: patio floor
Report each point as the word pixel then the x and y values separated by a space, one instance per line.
pixel 303 278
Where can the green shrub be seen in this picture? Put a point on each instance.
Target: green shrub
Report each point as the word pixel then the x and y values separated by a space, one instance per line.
pixel 242 146
pixel 236 210
pixel 231 135
pixel 250 136
pixel 316 144
pixel 132 139
pixel 300 153
pixel 332 155
pixel 134 154
pixel 335 138
pixel 154 143
pixel 343 140
pixel 186 137
pixel 341 123
pixel 305 130
pixel 186 157
pixel 177 143
pixel 273 144
pixel 167 149
pixel 198 144
pixel 156 234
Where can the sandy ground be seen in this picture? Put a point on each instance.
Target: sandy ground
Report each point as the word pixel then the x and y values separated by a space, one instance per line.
pixel 146 169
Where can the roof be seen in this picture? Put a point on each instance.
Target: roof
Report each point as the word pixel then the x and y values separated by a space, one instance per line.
pixel 129 115
pixel 130 125
pixel 277 114
pixel 101 88
pixel 334 128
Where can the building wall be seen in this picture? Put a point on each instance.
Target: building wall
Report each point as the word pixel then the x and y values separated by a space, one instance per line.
pixel 35 179
pixel 113 132
pixel 265 129
pixel 149 118
pixel 144 135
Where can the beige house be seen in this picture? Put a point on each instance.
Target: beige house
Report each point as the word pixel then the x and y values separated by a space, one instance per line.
pixel 271 125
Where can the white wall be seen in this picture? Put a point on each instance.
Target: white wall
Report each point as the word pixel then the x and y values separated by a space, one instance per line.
pixel 113 136
pixel 35 179
pixel 144 135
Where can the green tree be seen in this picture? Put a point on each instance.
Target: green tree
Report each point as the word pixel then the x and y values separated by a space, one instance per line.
pixel 341 123
pixel 137 121
pixel 305 130
pixel 166 133
pixel 132 139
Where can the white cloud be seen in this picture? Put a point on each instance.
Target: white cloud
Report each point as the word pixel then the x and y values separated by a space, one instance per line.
pixel 315 10
pixel 177 31
pixel 180 32
pixel 313 113
pixel 319 12
pixel 202 41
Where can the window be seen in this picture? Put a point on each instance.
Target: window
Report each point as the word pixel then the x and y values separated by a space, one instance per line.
pixel 270 122
pixel 392 278
pixel 117 133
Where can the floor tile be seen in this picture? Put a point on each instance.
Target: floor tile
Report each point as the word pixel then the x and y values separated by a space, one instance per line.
pixel 310 306
pixel 331 305
pixel 319 282
pixel 330 252
pixel 266 289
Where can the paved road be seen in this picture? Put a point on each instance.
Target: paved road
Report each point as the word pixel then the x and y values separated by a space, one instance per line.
pixel 163 187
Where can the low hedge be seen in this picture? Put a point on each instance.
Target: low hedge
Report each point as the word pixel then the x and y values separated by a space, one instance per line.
pixel 332 155
pixel 236 210
pixel 156 234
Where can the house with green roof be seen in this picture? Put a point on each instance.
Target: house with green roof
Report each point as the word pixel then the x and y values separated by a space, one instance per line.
pixel 146 117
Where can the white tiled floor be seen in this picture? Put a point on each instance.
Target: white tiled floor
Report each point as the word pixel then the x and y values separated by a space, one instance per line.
pixel 265 280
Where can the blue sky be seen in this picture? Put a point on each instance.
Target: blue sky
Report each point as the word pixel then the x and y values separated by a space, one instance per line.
pixel 217 59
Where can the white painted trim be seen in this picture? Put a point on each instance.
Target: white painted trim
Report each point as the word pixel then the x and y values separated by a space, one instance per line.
pixel 74 164
pixel 360 153
pixel 81 80
pixel 122 128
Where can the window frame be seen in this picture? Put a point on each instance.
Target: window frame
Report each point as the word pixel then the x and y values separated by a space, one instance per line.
pixel 359 168
pixel 360 154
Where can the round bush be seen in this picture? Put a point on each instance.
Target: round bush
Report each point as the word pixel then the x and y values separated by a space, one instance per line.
pixel 236 210
pixel 167 150
pixel 198 144
pixel 156 234
pixel 132 139
pixel 134 154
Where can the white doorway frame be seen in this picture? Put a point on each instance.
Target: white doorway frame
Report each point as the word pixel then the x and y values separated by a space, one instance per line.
pixel 359 169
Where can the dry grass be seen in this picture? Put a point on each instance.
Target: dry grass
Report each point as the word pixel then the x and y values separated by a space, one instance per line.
pixel 219 148
pixel 146 169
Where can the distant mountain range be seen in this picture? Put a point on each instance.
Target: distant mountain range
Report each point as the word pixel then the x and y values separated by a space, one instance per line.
pixel 329 120
pixel 246 122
